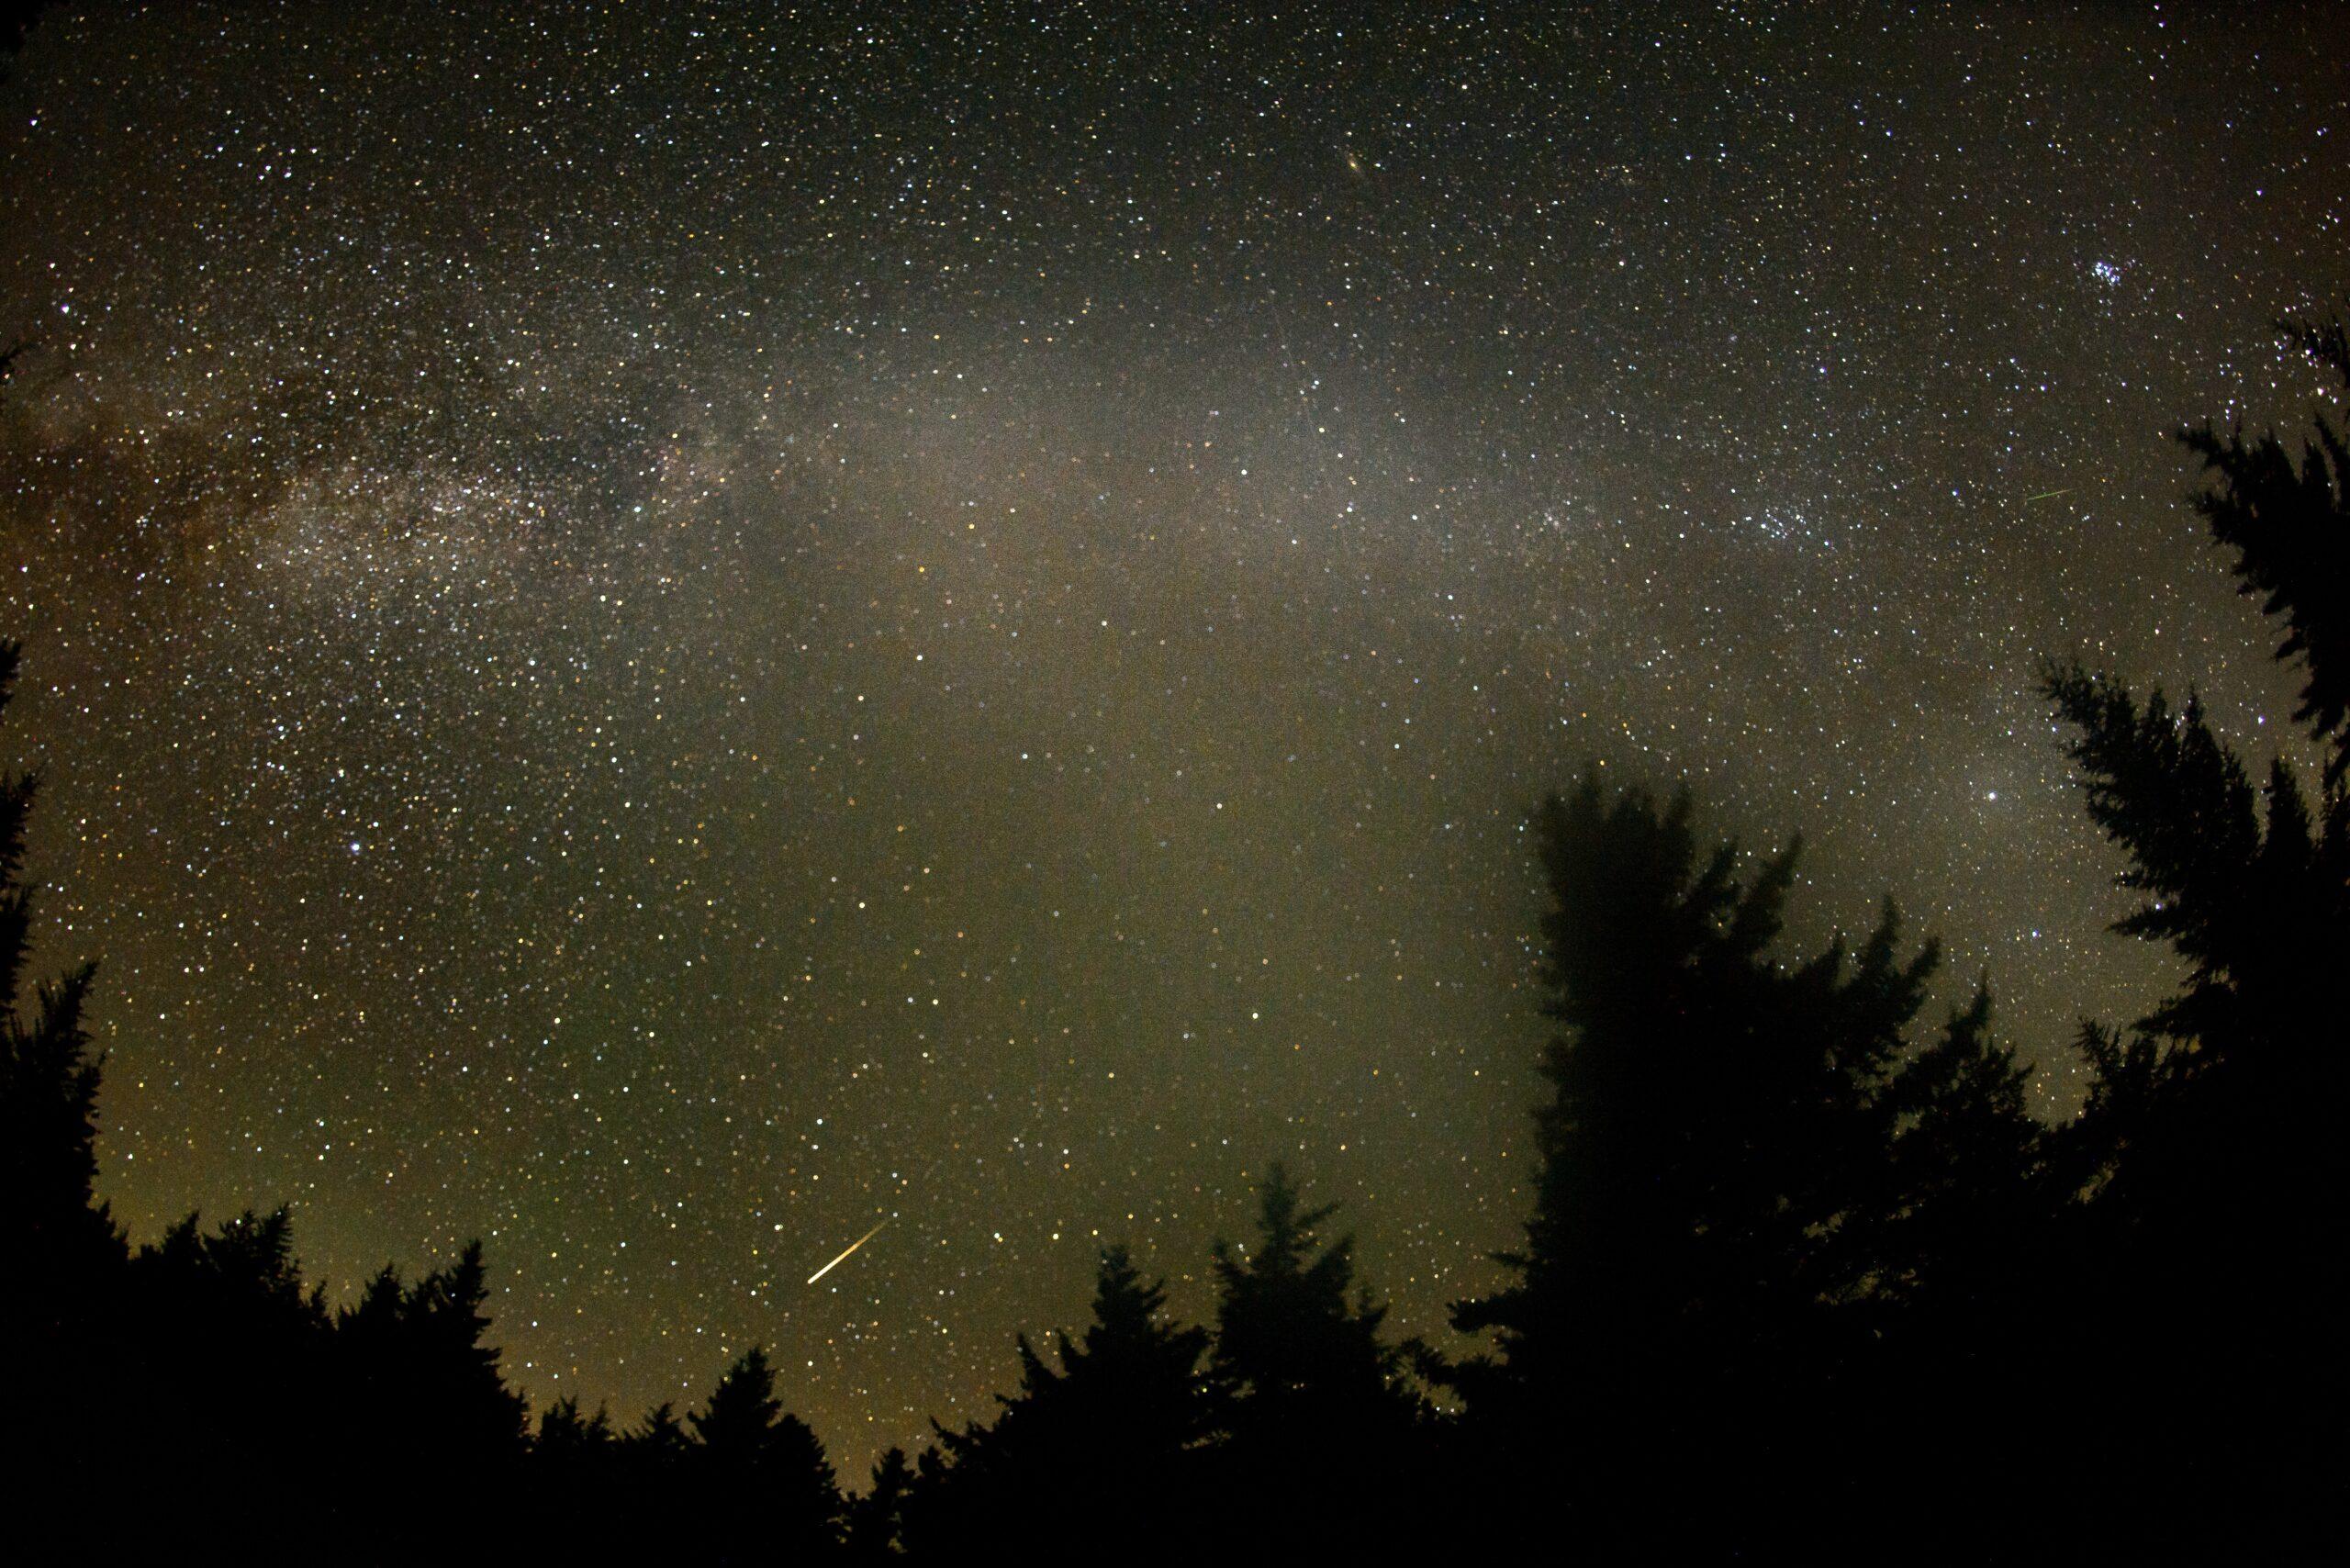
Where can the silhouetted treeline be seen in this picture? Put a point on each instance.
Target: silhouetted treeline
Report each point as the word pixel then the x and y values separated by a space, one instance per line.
pixel 1804 1276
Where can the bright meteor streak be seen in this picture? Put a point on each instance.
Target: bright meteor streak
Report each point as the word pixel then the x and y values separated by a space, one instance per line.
pixel 849 1249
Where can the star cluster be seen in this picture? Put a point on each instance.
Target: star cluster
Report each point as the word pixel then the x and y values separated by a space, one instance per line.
pixel 655 632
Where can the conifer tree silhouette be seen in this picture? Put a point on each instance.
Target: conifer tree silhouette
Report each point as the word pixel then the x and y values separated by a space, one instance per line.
pixel 2208 1155
pixel 1322 1433
pixel 576 1470
pixel 759 1476
pixel 17 19
pixel 1099 1444
pixel 2287 525
pixel 637 1516
pixel 1292 1344
pixel 481 1422
pixel 1966 1177
pixel 566 1437
pixel 1744 1172
pixel 53 1228
pixel 423 1405
pixel 60 1309
pixel 659 1441
pixel 876 1529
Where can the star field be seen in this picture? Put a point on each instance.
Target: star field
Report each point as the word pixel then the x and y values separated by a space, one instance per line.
pixel 656 632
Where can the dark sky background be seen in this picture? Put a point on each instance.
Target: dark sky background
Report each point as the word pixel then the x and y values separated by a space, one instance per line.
pixel 658 631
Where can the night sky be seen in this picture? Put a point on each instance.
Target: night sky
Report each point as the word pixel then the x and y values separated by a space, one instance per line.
pixel 656 632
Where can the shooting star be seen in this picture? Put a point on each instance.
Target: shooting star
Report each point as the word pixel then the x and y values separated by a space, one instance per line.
pixel 2045 494
pixel 849 1249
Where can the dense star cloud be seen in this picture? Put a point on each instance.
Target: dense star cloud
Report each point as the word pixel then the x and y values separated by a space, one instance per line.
pixel 658 632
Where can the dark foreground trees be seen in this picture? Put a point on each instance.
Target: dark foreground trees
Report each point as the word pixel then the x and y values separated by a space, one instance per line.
pixel 1803 1277
pixel 1321 1446
pixel 2205 1313
pixel 52 1227
pixel 1754 1188
pixel 1099 1447
pixel 1300 1433
pixel 1799 1282
pixel 196 1396
pixel 762 1486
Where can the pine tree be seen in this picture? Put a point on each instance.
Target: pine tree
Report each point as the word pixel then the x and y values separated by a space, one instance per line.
pixel 228 1351
pixel 1958 1246
pixel 1134 1365
pixel 877 1517
pixel 2288 526
pixel 478 1420
pixel 1293 1347
pixel 2208 1158
pixel 16 18
pixel 1700 1287
pixel 422 1407
pixel 1091 1449
pixel 577 1473
pixel 1321 1432
pixel 52 1227
pixel 760 1477
pixel 62 1328
pixel 659 1441
pixel 1707 1106
pixel 639 1515
pixel 1969 1199
pixel 580 1450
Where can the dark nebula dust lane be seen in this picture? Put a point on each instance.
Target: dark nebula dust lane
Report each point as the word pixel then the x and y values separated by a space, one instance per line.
pixel 656 632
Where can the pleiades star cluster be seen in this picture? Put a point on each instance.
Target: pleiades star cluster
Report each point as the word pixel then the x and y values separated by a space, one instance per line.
pixel 658 632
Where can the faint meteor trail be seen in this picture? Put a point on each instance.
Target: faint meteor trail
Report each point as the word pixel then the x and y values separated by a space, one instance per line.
pixel 849 1249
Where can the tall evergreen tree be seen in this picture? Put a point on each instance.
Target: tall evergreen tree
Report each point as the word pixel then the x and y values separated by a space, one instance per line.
pixel 1968 1197
pixel 1702 1114
pixel 573 1459
pixel 2208 1157
pixel 876 1526
pixel 17 19
pixel 61 1309
pixel 564 1435
pixel 2287 525
pixel 1322 1434
pixel 1296 1346
pixel 1133 1377
pixel 759 1476
pixel 53 1228
pixel 480 1421
pixel 1713 1250
pixel 421 1406
pixel 1091 1449
pixel 228 1351
pixel 659 1441
pixel 638 1516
